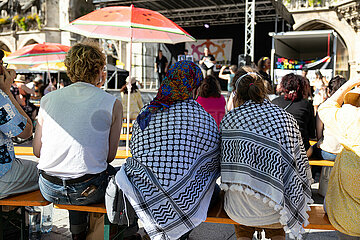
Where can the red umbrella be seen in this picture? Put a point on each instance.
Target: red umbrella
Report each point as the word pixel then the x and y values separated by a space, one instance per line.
pixel 129 24
pixel 38 53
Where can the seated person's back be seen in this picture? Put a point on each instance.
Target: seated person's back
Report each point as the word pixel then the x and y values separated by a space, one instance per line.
pixel 340 115
pixel 77 135
pixel 171 176
pixel 327 146
pixel 264 170
pixel 294 101
pixel 210 98
pixel 16 175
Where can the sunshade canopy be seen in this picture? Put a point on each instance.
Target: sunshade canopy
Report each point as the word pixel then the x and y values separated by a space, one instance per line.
pixel 38 53
pixel 129 24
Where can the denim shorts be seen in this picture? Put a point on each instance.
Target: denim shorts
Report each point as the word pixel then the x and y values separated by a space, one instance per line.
pixel 73 194
pixel 321 154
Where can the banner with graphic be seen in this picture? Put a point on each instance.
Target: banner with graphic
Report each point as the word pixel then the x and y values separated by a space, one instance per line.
pixel 279 73
pixel 220 48
pixel 292 64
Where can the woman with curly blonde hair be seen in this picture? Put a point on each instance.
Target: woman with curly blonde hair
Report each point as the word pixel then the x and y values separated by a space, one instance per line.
pixel 77 136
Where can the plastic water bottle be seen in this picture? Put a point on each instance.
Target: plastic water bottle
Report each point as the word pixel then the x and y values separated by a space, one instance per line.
pixel 47 218
pixel 34 224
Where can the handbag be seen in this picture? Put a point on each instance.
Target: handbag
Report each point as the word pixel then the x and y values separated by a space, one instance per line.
pixel 118 208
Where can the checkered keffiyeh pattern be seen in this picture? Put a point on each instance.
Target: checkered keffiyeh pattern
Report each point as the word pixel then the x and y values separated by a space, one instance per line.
pixel 262 152
pixel 171 176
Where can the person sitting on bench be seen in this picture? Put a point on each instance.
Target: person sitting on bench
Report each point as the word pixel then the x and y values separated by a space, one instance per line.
pixel 16 175
pixel 327 146
pixel 175 149
pixel 77 136
pixel 264 169
pixel 343 195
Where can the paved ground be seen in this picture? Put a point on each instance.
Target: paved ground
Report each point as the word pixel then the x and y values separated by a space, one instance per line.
pixel 208 231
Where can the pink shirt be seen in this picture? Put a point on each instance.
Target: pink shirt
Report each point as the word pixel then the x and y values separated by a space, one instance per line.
pixel 214 106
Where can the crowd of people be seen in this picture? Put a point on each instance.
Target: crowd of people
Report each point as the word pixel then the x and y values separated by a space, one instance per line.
pixel 28 89
pixel 183 141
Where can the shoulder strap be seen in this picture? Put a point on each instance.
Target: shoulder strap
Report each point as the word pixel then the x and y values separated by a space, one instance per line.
pixel 285 108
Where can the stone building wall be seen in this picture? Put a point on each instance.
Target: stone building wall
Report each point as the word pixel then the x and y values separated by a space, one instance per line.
pixel 53 14
pixel 343 17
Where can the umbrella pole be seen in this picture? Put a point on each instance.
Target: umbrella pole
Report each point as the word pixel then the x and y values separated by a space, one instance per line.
pixel 58 81
pixel 128 102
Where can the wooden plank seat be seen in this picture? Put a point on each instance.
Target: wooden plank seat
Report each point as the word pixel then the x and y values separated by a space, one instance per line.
pixel 322 163
pixel 19 201
pixel 317 217
pixel 28 151
pixel 25 199
pixel 123 137
pixel 121 154
pixel 124 128
pixel 124 125
pixel 96 208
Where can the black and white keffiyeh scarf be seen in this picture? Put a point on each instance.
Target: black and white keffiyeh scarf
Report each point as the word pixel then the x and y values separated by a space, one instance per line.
pixel 263 155
pixel 172 173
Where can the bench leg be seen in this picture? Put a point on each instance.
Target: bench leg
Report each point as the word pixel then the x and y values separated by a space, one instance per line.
pixel 120 232
pixel 12 215
pixel 1 224
pixel 106 227
pixel 23 230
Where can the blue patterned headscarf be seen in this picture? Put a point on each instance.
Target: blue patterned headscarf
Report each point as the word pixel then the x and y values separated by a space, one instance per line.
pixel 178 85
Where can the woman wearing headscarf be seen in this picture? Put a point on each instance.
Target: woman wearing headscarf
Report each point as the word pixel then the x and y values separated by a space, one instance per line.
pixel 264 169
pixel 175 149
pixel 343 194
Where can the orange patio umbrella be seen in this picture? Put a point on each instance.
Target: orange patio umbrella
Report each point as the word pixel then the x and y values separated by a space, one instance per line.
pixel 129 24
pixel 53 66
pixel 38 53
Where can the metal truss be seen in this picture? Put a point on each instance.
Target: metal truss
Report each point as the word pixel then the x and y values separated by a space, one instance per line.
pixel 249 28
pixel 192 13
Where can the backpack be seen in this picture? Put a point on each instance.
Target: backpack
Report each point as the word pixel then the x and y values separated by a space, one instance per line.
pixel 118 208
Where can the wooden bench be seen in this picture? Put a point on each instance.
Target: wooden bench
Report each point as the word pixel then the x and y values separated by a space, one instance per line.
pixel 124 125
pixel 19 202
pixel 322 163
pixel 123 137
pixel 124 128
pixel 317 217
pixel 121 154
pixel 95 208
pixel 28 151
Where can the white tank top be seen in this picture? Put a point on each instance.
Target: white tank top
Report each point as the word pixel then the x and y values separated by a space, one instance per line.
pixel 75 131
